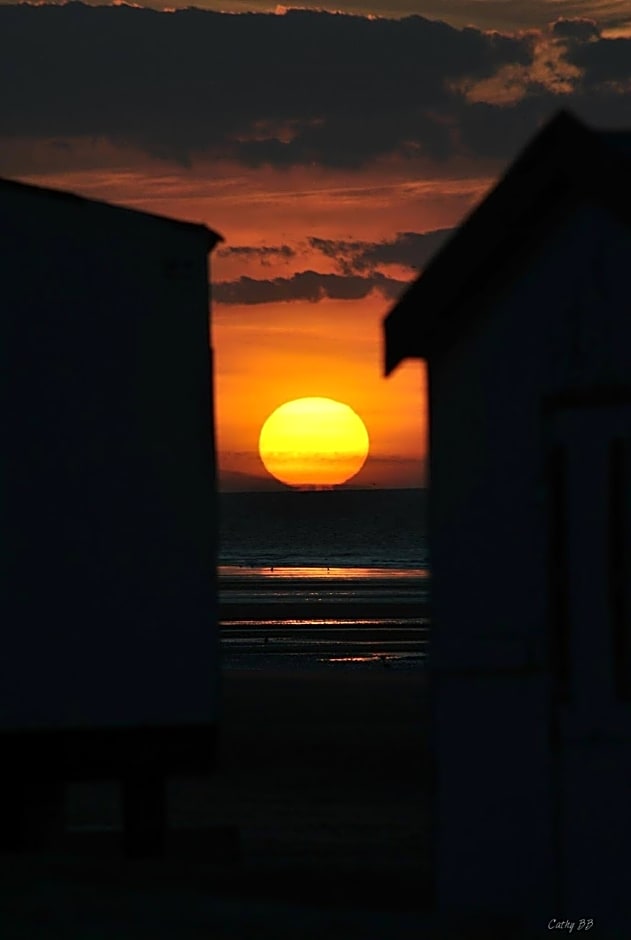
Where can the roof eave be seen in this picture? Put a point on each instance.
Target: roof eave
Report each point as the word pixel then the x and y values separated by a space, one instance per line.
pixel 400 342
pixel 415 327
pixel 213 239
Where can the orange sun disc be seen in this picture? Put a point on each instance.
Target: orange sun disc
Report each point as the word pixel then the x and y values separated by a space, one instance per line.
pixel 313 442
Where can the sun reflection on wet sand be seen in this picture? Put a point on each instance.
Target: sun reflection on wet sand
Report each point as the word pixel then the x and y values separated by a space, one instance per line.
pixel 343 574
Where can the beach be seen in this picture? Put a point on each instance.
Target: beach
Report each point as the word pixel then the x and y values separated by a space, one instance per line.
pixel 327 711
pixel 340 773
pixel 318 802
pixel 318 808
pixel 316 824
pixel 314 615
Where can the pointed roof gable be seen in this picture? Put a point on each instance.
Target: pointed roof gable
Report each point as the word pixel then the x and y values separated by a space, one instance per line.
pixel 566 162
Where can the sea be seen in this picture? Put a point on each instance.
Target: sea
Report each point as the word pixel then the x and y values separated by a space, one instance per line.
pixel 324 578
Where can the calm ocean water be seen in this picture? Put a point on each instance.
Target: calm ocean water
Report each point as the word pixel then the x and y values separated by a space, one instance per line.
pixel 334 576
pixel 329 528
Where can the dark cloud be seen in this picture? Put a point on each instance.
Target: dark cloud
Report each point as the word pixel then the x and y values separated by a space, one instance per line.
pixel 492 131
pixel 604 65
pixel 306 285
pixel 603 62
pixel 263 253
pixel 305 88
pixel 411 249
pixel 583 30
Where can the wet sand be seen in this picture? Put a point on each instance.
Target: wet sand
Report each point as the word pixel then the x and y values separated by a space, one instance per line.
pixel 355 610
pixel 325 772
pixel 315 826
pixel 321 773
pixel 319 804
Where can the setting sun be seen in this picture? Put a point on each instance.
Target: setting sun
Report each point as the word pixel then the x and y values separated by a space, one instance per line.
pixel 313 442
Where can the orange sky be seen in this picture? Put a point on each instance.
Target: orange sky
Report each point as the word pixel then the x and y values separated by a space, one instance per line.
pixel 331 180
pixel 266 354
pixel 269 354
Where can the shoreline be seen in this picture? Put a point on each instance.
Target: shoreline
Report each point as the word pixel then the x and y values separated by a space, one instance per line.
pixel 334 644
pixel 322 611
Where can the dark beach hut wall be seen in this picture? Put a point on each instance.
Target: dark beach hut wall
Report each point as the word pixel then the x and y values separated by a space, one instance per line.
pixel 109 641
pixel 525 321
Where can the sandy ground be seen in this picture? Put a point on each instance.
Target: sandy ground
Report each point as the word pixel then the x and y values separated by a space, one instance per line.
pixel 338 758
pixel 315 825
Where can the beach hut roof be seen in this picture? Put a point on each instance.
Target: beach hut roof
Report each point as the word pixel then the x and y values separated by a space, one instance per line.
pixel 565 163
pixel 125 214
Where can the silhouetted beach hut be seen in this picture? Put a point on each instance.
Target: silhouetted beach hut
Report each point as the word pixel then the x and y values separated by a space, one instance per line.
pixel 524 318
pixel 109 663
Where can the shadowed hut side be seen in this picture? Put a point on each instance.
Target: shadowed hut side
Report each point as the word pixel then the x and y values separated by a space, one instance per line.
pixel 109 663
pixel 524 318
